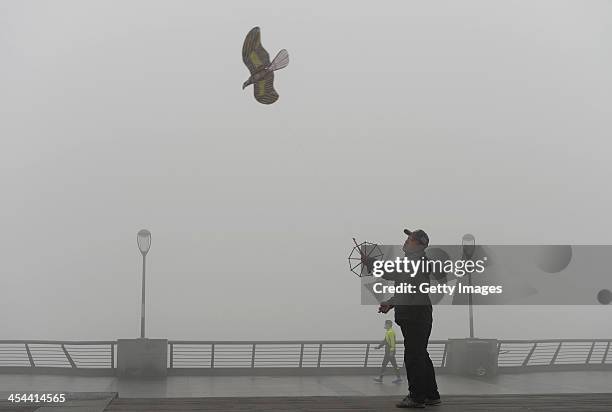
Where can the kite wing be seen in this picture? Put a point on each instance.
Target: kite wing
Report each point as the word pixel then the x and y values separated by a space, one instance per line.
pixel 264 90
pixel 254 55
pixel 280 61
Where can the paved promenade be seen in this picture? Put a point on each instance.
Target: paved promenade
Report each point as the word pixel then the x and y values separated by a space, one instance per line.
pixel 582 391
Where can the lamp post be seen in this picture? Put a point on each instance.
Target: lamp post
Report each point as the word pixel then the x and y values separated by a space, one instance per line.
pixel 468 247
pixel 143 238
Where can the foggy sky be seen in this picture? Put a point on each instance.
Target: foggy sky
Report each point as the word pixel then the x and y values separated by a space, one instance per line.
pixel 485 117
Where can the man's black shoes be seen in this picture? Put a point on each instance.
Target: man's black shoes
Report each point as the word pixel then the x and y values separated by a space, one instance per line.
pixel 433 401
pixel 409 403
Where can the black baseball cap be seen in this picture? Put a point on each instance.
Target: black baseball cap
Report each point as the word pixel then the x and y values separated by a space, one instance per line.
pixel 419 235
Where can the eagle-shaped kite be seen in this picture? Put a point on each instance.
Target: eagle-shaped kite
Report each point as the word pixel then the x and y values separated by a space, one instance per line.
pixel 257 59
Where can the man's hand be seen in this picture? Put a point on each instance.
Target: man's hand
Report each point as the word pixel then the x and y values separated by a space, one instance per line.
pixel 384 307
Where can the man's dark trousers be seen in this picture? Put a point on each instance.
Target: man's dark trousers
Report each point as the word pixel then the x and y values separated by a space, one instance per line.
pixel 419 368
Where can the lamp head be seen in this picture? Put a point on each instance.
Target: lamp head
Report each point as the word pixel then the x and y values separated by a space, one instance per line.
pixel 144 241
pixel 468 245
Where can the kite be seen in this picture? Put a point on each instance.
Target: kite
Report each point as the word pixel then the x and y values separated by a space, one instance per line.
pixel 257 60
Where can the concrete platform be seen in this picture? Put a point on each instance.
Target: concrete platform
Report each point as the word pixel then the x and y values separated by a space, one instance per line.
pixel 482 403
pixel 271 386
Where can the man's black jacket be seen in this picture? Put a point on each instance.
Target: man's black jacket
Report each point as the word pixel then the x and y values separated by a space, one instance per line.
pixel 414 307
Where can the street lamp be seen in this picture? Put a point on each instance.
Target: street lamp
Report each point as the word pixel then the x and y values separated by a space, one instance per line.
pixel 468 247
pixel 143 238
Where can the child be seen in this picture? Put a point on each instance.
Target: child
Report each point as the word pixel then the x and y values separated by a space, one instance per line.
pixel 389 344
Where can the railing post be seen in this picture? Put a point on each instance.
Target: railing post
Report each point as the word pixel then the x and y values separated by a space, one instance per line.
pixel 27 347
pixel 253 357
pixel 301 354
pixel 112 357
pixel 588 359
pixel 171 355
pixel 554 358
pixel 212 356
pixel 443 362
pixel 365 361
pixel 320 352
pixel 68 356
pixel 605 355
pixel 528 357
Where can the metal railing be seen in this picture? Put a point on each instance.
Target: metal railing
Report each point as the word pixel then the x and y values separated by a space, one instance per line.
pixel 551 354
pixel 52 355
pixel 208 357
pixel 513 355
pixel 285 354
